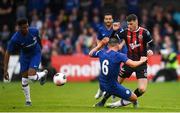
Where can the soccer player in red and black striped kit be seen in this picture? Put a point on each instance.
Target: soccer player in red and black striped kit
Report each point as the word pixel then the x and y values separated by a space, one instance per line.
pixel 139 43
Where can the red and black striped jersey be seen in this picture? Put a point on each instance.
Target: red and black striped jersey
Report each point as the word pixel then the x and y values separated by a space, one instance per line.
pixel 136 42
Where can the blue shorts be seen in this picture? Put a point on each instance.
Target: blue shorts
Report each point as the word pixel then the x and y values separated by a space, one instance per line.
pixel 117 90
pixel 27 62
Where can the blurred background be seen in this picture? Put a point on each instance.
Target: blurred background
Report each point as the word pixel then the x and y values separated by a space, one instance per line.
pixel 68 30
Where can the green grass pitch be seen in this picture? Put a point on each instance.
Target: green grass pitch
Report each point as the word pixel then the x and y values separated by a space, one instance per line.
pixel 79 97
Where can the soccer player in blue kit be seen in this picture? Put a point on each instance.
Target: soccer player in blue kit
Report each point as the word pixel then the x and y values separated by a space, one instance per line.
pixel 27 40
pixel 110 60
pixel 104 32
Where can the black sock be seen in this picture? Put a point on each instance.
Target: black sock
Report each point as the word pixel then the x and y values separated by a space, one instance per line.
pixel 105 98
pixel 138 93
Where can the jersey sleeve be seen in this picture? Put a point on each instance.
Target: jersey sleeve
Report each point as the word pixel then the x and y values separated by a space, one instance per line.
pixel 149 40
pixel 120 57
pixel 11 45
pixel 38 38
pixel 121 34
pixel 102 33
pixel 147 36
pixel 99 34
pixel 96 53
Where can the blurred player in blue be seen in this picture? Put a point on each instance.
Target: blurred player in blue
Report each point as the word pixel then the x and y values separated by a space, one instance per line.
pixel 110 60
pixel 26 40
pixel 104 32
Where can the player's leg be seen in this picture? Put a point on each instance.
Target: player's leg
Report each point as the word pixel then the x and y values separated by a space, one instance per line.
pixel 125 94
pixel 32 71
pixel 142 86
pixel 26 88
pixel 99 93
pixel 103 101
pixel 125 72
pixel 141 75
pixel 24 64
pixel 37 76
pixel 120 79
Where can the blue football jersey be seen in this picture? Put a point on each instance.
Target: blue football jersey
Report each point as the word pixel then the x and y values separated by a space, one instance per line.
pixel 103 32
pixel 124 48
pixel 28 44
pixel 110 66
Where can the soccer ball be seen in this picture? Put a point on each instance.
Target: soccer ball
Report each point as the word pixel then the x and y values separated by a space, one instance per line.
pixel 59 79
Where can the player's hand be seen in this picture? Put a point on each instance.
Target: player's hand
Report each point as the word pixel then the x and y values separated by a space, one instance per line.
pixel 116 26
pixel 91 52
pixel 149 53
pixel 6 75
pixel 143 59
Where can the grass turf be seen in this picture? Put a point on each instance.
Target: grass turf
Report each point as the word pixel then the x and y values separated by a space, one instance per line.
pixel 79 97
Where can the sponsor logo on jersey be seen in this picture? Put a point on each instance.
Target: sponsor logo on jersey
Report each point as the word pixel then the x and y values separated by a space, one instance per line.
pixel 134 45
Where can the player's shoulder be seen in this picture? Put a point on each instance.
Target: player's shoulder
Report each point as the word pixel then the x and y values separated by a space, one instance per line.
pixel 114 53
pixel 120 55
pixel 123 30
pixel 101 27
pixel 15 36
pixel 33 30
pixel 144 29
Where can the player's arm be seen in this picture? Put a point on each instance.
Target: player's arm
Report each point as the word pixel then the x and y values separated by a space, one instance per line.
pixel 6 62
pixel 121 35
pixel 120 57
pixel 10 48
pixel 100 45
pixel 150 43
pixel 121 44
pixel 39 39
pixel 150 48
pixel 132 63
pixel 95 54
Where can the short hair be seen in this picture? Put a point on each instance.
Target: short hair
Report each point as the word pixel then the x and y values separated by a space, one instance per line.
pixel 116 19
pixel 108 13
pixel 131 17
pixel 113 40
pixel 22 21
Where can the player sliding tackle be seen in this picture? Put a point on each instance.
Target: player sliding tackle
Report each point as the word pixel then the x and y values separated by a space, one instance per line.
pixel 27 40
pixel 139 43
pixel 104 31
pixel 110 65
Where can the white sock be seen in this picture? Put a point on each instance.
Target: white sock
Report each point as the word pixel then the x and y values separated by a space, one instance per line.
pixel 126 102
pixel 26 89
pixel 38 76
pixel 33 77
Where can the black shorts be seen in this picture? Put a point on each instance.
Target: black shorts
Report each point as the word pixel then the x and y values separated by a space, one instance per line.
pixel 141 71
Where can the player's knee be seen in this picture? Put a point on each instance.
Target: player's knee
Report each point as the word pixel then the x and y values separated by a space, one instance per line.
pixel 142 89
pixel 24 74
pixel 133 97
pixel 31 72
pixel 121 80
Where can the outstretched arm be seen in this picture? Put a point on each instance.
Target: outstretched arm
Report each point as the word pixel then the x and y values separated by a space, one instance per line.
pixel 101 44
pixel 132 63
pixel 121 44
